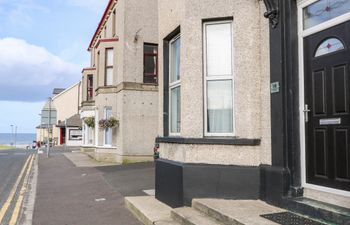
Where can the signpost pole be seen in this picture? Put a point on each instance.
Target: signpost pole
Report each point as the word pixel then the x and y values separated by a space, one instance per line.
pixel 49 130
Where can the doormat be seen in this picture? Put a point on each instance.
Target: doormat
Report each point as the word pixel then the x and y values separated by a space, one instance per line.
pixel 288 218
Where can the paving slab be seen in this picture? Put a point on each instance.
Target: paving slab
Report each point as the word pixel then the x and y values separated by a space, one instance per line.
pixel 80 159
pixel 68 195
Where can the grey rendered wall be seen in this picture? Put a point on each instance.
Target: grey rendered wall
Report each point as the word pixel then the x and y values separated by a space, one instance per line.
pixel 251 79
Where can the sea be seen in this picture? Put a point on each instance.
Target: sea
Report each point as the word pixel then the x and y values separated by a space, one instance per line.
pixel 21 138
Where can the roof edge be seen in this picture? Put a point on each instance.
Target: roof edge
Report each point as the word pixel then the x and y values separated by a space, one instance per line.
pixel 66 90
pixel 101 22
pixel 88 68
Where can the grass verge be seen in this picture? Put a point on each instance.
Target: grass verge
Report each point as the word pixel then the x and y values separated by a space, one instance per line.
pixel 5 147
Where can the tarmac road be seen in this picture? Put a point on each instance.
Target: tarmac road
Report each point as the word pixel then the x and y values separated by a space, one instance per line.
pixel 12 163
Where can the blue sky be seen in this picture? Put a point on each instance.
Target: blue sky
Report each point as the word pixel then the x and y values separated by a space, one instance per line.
pixel 42 45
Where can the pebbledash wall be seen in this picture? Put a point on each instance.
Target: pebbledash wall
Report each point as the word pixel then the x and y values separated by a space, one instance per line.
pixel 191 163
pixel 126 26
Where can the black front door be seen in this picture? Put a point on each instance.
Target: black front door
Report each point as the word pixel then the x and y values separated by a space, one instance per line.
pixel 327 124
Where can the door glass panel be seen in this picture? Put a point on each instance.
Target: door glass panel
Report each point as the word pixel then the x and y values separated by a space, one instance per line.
pixel 324 10
pixel 328 46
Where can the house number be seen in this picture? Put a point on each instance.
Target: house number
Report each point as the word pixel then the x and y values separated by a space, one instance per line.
pixel 275 87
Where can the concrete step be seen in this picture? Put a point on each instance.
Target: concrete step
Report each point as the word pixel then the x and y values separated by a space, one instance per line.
pixel 149 210
pixel 236 212
pixel 190 216
pixel 320 210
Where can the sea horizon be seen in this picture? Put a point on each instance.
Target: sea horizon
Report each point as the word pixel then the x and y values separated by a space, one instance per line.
pixel 21 138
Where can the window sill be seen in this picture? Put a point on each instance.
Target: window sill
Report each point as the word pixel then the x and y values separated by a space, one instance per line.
pixel 209 141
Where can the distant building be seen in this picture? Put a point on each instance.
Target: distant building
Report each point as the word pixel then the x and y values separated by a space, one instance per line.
pixel 56 91
pixel 72 129
pixel 48 111
pixel 61 107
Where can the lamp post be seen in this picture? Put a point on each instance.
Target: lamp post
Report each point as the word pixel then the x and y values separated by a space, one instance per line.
pixel 41 134
pixel 15 135
pixel 49 129
pixel 11 134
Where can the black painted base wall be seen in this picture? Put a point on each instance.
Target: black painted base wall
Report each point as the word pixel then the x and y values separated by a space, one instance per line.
pixel 169 182
pixel 274 184
pixel 177 183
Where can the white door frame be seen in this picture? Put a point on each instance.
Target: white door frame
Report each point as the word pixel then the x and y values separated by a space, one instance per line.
pixel 301 34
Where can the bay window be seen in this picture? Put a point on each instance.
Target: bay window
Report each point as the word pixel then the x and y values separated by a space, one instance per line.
pixel 218 78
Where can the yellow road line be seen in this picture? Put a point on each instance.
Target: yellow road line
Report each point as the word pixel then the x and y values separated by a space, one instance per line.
pixel 13 191
pixel 18 205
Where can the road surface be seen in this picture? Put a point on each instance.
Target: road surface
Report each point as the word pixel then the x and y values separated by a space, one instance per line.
pixel 14 172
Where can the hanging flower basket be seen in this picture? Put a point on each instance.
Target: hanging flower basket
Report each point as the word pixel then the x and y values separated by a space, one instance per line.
pixel 111 122
pixel 90 121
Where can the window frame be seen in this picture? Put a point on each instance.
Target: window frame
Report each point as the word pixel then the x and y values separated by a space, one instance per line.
pixel 156 75
pixel 98 76
pixel 105 130
pixel 108 66
pixel 114 23
pixel 89 88
pixel 207 78
pixel 80 136
pixel 173 85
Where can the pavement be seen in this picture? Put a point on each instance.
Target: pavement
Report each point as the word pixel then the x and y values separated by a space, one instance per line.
pixel 71 195
pixel 80 159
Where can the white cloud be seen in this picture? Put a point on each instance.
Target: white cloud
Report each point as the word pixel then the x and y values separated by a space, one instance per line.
pixel 28 71
pixel 18 12
pixel 89 4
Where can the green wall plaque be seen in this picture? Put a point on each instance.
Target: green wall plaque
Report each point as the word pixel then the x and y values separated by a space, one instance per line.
pixel 275 87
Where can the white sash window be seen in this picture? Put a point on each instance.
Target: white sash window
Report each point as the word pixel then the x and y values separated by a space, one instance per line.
pixel 218 78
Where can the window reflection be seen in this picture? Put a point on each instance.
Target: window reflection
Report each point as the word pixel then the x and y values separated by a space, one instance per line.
pixel 324 10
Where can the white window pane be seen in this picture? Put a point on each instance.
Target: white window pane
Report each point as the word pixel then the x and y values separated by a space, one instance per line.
pixel 219 49
pixel 175 110
pixel 108 131
pixel 109 57
pixel 175 60
pixel 109 76
pixel 219 107
pixel 90 135
pixel 108 113
pixel 108 136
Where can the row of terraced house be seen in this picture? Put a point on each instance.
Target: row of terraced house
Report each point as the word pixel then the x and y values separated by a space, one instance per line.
pixel 246 99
